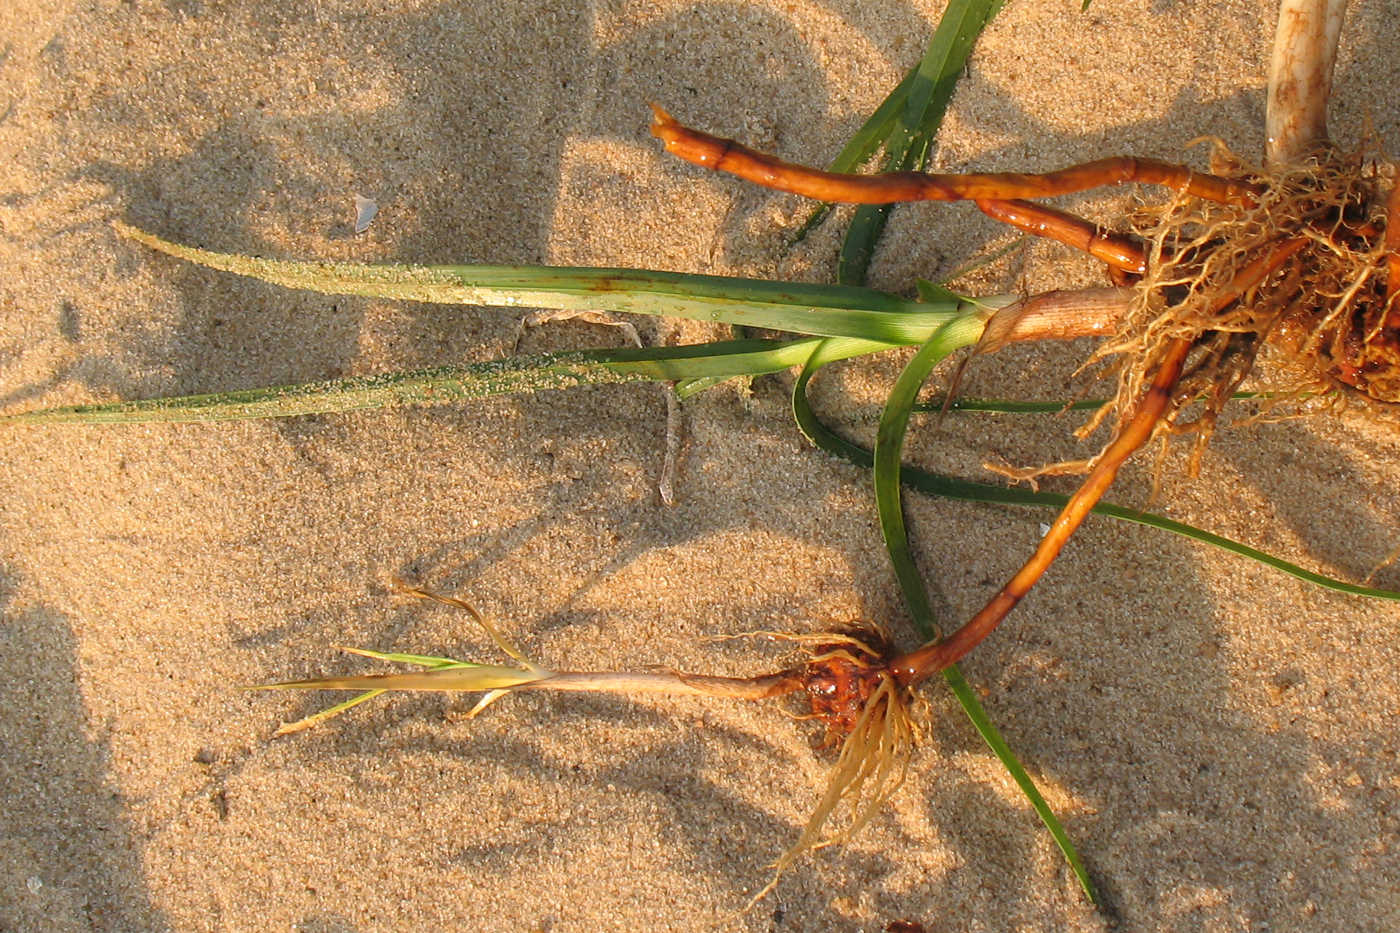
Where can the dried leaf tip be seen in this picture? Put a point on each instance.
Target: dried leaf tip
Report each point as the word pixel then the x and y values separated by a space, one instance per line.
pixel 659 117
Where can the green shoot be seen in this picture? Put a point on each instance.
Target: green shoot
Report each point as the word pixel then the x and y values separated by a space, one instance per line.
pixel 909 144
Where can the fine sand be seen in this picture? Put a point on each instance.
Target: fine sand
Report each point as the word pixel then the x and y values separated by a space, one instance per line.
pixel 1218 738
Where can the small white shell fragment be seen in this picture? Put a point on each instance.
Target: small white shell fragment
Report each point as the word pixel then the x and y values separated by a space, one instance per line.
pixel 365 209
pixel 1044 529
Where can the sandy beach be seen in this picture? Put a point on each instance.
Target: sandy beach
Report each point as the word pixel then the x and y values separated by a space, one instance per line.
pixel 1219 738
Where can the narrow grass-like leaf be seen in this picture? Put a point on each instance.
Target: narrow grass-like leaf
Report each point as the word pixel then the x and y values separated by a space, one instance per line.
pixel 953 677
pixel 818 310
pixel 889 446
pixel 461 676
pixel 439 385
pixel 951 487
pixel 866 141
pixel 325 715
pixel 943 63
pixel 1005 406
pixel 399 657
pixel 874 131
pixel 445 384
pixel 858 246
pixel 911 137
pixel 317 718
pixel 1013 406
pixel 933 291
pixel 972 265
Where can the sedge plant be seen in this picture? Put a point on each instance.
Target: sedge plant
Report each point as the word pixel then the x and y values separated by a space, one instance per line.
pixel 1184 284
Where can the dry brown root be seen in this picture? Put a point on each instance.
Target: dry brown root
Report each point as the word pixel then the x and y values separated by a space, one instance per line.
pixel 1032 476
pixel 1323 315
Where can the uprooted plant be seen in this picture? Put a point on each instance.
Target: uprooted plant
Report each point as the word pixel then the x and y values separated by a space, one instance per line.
pixel 1300 258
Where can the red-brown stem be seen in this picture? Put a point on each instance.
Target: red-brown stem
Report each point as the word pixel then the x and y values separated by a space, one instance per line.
pixel 924 662
pixel 1119 251
pixel 930 659
pixel 726 155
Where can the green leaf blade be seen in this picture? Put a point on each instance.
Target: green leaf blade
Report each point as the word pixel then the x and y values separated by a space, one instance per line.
pixel 889 446
pixel 816 310
pixel 952 487
pixel 704 363
pixel 910 137
pixel 953 677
